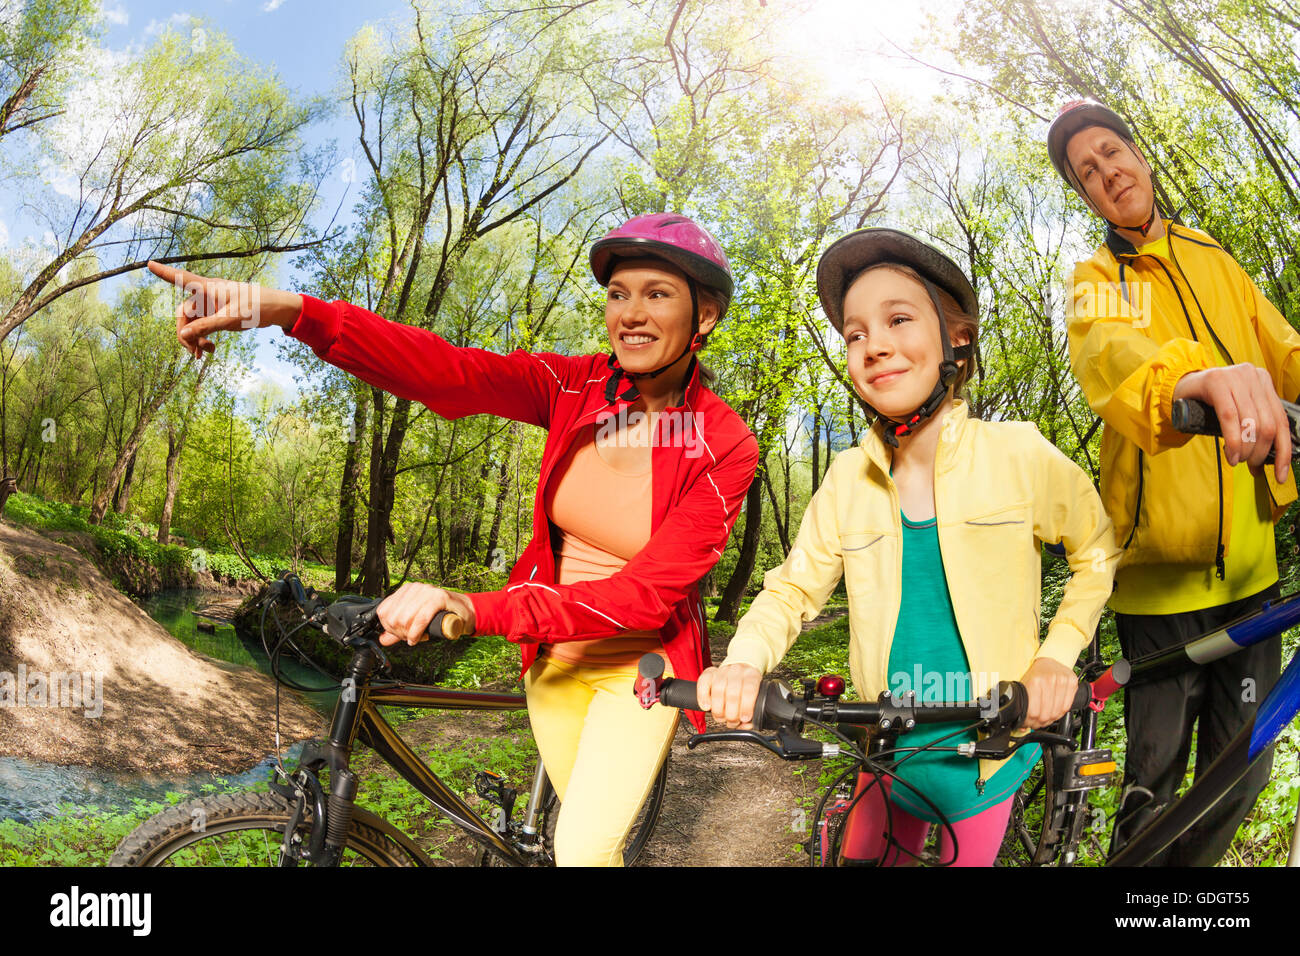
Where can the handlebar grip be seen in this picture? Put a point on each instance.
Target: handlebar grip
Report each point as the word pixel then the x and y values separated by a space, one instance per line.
pixel 446 624
pixel 679 693
pixel 1082 696
pixel 1116 676
pixel 1194 417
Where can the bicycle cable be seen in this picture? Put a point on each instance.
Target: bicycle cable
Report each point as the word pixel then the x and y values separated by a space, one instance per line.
pixel 869 764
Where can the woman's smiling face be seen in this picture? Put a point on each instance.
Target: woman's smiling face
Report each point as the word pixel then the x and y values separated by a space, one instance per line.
pixel 892 333
pixel 648 314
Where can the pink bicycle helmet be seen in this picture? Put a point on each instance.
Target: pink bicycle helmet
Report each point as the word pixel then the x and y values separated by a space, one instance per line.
pixel 668 236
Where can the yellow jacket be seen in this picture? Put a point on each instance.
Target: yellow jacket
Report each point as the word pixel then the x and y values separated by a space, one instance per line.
pixel 999 489
pixel 1136 326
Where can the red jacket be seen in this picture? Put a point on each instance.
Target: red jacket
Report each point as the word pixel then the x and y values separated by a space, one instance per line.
pixel 702 467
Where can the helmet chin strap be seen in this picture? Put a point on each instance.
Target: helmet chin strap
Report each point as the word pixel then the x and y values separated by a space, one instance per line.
pixel 948 369
pixel 617 372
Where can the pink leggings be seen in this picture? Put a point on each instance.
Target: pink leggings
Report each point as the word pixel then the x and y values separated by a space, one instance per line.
pixel 866 831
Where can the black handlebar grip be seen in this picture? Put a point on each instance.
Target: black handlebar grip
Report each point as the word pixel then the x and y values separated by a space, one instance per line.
pixel 446 625
pixel 1194 417
pixel 1082 696
pixel 679 693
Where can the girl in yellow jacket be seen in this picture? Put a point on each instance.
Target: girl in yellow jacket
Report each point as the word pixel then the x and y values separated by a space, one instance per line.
pixel 934 522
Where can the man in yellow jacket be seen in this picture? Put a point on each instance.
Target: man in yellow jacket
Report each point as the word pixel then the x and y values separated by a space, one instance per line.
pixel 1162 312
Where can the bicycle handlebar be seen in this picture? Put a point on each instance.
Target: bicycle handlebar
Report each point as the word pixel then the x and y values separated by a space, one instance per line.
pixel 1195 417
pixel 345 620
pixel 776 707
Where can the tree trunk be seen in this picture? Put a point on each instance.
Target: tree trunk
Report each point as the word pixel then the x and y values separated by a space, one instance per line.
pixel 729 604
pixel 348 501
pixel 174 449
pixel 173 479
pixel 383 483
pixel 127 454
pixel 122 497
pixel 503 489
pixel 480 503
pixel 817 448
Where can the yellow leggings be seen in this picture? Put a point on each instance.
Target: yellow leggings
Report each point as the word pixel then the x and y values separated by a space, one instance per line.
pixel 601 751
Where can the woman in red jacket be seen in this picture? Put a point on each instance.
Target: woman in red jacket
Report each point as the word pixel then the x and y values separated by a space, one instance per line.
pixel 642 477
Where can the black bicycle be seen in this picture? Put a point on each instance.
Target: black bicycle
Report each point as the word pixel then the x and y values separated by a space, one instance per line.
pixel 868 732
pixel 311 816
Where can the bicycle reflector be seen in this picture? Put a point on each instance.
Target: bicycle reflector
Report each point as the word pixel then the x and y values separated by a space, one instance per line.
pixel 832 685
pixel 1093 769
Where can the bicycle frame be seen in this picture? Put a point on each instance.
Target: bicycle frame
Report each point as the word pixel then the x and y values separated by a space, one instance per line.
pixel 1250 745
pixel 356 716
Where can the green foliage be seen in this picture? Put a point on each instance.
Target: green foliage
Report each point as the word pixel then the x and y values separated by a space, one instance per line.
pixel 491 660
pixel 82 835
pixel 113 544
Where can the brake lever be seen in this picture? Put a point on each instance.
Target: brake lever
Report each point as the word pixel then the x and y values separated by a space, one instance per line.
pixel 785 744
pixel 1001 745
pixel 748 736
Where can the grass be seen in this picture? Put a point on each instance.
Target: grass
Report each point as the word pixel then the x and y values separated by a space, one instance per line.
pixel 80 835
pixel 123 536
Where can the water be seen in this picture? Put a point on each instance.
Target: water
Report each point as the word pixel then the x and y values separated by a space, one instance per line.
pixel 31 790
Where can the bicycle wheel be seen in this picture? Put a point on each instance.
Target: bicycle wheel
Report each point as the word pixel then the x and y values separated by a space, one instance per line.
pixel 637 837
pixel 240 829
pixel 1046 823
pixel 644 826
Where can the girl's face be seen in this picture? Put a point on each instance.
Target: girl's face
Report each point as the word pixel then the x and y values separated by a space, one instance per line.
pixel 648 314
pixel 893 338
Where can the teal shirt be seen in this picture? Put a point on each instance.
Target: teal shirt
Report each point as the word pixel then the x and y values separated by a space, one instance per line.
pixel 928 657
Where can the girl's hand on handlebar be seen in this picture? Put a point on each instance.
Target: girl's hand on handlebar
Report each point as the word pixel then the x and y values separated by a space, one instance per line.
pixel 213 305
pixel 729 692
pixel 1250 414
pixel 407 612
pixel 1051 687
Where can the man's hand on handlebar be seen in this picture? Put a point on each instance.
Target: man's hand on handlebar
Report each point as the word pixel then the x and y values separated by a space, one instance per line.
pixel 405 614
pixel 729 693
pixel 1051 687
pixel 1250 414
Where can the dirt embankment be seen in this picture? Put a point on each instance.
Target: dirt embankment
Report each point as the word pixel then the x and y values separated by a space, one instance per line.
pixel 88 678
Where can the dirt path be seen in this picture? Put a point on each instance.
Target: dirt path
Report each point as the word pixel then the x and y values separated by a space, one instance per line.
pixel 726 804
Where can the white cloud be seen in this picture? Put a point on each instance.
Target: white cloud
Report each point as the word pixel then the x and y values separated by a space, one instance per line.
pixel 179 21
pixel 114 14
pixel 272 5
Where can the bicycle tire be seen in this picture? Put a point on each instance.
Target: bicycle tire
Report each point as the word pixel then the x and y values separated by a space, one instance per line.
pixel 235 829
pixel 638 836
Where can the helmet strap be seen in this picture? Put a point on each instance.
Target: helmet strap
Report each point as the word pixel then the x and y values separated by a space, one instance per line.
pixel 948 370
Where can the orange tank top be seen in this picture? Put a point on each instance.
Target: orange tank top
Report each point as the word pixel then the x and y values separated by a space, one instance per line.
pixel 603 516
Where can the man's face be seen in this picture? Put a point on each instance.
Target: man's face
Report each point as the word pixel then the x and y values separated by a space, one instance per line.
pixel 1114 178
